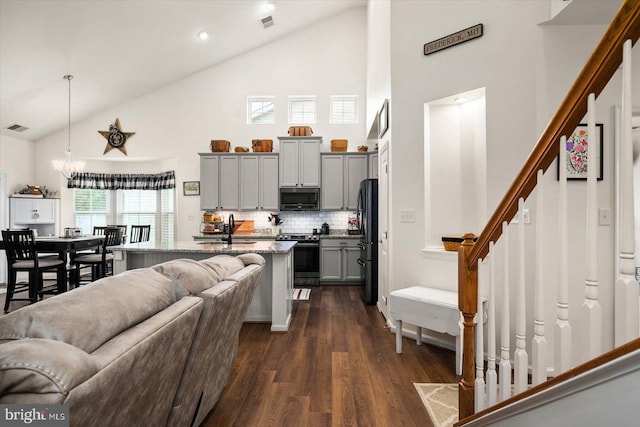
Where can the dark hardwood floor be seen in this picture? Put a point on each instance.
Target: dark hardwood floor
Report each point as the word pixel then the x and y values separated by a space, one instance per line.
pixel 337 366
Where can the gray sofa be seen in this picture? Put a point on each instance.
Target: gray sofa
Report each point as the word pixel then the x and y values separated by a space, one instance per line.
pixel 152 346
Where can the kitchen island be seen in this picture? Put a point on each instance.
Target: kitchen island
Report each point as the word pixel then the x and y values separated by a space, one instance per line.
pixel 272 299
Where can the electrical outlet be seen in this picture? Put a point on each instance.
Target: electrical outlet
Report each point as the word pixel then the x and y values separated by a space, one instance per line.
pixel 407 215
pixel 604 216
pixel 191 217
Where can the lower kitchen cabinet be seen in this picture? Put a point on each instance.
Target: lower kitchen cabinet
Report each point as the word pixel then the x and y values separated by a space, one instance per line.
pixel 339 260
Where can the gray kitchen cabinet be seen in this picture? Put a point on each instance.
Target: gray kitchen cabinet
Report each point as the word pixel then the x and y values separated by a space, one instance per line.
pixel 339 260
pixel 209 181
pixel 341 176
pixel 229 183
pixel 300 161
pixel 373 164
pixel 219 182
pixel 259 182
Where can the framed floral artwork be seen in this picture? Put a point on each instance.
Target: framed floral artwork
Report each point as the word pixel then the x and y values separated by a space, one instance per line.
pixel 580 153
pixel 191 188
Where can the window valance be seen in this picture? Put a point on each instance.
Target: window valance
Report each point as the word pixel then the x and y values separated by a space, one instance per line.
pixel 123 181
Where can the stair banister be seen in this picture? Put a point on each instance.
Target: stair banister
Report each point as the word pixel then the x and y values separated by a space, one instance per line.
pixel 595 75
pixel 593 78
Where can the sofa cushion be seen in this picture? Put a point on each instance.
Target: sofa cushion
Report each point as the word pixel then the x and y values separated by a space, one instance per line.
pixel 88 316
pixel 42 370
pixel 223 266
pixel 252 258
pixel 192 275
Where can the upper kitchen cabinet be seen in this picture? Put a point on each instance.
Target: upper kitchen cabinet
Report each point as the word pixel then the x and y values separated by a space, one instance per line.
pixel 259 181
pixel 341 177
pixel 300 161
pixel 219 182
pixel 373 165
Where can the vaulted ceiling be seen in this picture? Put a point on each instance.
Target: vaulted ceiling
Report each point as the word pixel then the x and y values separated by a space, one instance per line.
pixel 119 50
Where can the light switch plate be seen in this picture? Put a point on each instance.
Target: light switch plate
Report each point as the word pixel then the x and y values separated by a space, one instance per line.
pixel 604 216
pixel 407 215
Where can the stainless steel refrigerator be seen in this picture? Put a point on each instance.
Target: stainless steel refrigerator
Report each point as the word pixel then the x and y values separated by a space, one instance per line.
pixel 368 219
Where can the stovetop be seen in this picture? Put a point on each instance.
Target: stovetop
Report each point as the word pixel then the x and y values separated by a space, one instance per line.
pixel 298 237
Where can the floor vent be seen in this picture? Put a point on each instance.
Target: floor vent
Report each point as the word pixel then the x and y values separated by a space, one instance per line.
pixel 17 128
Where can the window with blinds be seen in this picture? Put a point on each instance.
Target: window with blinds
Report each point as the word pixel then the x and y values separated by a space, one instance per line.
pixel 91 208
pixel 261 110
pixel 344 109
pixel 302 110
pixel 132 207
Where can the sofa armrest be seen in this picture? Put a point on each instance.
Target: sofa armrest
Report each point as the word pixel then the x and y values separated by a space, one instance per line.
pixel 41 371
pixel 252 258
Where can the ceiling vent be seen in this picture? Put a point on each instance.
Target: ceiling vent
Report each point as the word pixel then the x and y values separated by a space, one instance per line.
pixel 17 128
pixel 267 21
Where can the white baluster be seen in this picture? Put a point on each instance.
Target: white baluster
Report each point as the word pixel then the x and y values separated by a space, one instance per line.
pixel 479 383
pixel 520 357
pixel 626 288
pixel 591 305
pixel 492 376
pixel 505 363
pixel 563 334
pixel 539 344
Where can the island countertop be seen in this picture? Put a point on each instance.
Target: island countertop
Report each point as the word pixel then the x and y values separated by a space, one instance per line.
pixel 211 247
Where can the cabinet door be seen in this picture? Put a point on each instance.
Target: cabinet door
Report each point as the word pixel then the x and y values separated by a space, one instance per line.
pixel 209 169
pixel 373 165
pixel 21 211
pixel 332 193
pixel 352 270
pixel 355 171
pixel 309 163
pixel 331 263
pixel 45 210
pixel 289 159
pixel 229 183
pixel 249 182
pixel 269 189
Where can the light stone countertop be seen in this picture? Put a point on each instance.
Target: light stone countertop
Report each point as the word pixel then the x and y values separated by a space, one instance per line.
pixel 238 247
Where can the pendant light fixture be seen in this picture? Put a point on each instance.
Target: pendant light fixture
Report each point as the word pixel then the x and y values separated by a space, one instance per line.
pixel 67 167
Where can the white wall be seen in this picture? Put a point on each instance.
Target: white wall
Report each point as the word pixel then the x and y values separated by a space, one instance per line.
pixel 17 161
pixel 173 124
pixel 527 70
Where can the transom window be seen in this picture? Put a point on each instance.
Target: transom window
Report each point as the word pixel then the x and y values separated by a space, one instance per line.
pixel 261 110
pixel 344 109
pixel 302 110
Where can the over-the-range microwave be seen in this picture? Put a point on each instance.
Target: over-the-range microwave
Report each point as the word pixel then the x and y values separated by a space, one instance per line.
pixel 300 199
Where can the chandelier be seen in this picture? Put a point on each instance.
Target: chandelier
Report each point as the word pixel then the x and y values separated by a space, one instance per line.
pixel 67 167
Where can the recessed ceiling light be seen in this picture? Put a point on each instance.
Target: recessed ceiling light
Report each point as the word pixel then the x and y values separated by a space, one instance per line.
pixel 203 35
pixel 461 99
pixel 269 6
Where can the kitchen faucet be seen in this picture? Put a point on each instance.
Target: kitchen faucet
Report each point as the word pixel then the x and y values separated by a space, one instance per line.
pixel 232 225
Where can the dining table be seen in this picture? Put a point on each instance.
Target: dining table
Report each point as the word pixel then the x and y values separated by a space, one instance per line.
pixel 64 245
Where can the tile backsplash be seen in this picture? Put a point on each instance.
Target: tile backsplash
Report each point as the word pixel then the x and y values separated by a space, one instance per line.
pixel 295 222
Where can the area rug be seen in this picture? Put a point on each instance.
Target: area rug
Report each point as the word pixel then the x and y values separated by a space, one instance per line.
pixel 441 401
pixel 301 294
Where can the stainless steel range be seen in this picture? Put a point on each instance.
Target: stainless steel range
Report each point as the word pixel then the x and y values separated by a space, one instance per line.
pixel 306 258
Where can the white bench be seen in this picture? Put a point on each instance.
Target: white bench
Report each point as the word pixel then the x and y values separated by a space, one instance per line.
pixel 429 308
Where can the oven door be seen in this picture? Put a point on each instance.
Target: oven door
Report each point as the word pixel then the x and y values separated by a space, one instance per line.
pixel 306 262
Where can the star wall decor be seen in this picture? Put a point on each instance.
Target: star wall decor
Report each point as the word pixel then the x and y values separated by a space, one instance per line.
pixel 115 137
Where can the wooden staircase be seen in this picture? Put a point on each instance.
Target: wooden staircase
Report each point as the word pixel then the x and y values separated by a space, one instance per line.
pixel 486 385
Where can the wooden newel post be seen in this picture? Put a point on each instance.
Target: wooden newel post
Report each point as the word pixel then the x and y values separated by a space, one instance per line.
pixel 468 305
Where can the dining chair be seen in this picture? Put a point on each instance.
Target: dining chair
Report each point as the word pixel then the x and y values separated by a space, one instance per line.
pixel 124 231
pixel 22 256
pixel 140 233
pixel 99 261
